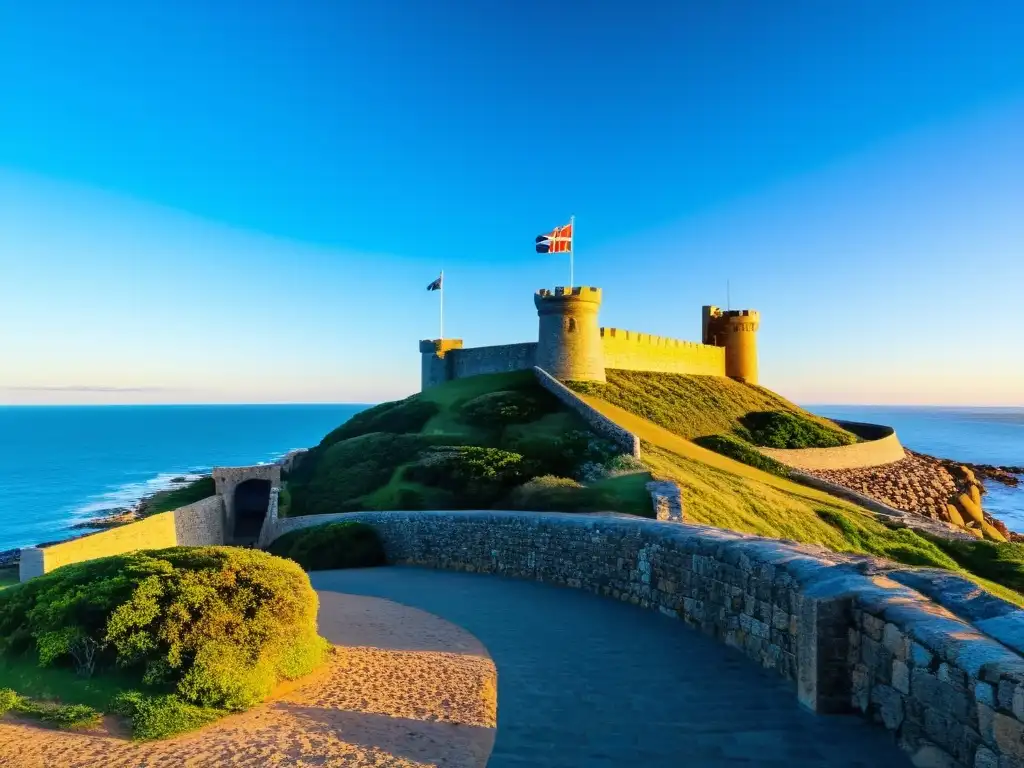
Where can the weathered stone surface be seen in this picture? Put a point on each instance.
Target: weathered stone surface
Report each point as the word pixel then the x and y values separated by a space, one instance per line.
pixel 843 637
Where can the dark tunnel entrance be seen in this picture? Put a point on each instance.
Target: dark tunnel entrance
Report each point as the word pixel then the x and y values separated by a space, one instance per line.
pixel 251 501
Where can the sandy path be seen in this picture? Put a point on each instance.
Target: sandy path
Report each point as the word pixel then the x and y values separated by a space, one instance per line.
pixel 404 688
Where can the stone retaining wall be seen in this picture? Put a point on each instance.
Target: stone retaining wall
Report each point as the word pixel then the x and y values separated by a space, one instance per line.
pixel 197 524
pixel 597 421
pixel 849 633
pixel 870 453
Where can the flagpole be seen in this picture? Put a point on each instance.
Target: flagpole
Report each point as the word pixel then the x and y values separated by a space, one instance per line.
pixel 572 248
pixel 442 304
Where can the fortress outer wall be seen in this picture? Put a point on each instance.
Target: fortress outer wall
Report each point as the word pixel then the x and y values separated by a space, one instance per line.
pixel 632 351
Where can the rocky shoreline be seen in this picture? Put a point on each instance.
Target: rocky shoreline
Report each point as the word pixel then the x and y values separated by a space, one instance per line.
pixel 935 488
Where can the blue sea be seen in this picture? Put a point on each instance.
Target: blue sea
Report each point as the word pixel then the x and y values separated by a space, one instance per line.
pixel 977 435
pixel 62 465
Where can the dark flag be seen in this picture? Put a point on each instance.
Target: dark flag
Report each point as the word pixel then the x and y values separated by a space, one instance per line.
pixel 436 285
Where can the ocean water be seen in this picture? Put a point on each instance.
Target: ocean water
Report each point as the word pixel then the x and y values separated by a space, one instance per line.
pixel 977 435
pixel 62 465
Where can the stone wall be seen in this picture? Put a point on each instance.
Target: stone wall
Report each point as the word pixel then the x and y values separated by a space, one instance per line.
pixel 938 664
pixel 634 351
pixel 201 523
pixel 498 359
pixel 597 421
pixel 870 453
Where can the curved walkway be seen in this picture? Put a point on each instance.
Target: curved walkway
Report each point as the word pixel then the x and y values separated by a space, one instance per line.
pixel 589 682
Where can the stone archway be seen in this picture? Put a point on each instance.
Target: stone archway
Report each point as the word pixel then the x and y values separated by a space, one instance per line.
pixel 251 503
pixel 256 489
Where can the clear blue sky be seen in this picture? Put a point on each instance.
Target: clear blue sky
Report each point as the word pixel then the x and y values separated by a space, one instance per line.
pixel 223 201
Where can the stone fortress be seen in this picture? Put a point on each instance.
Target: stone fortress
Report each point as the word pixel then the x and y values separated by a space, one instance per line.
pixel 571 345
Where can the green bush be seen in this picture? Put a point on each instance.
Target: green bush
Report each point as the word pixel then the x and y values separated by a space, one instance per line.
pixel 161 716
pixel 902 545
pixel 8 700
pixel 735 448
pixel 348 544
pixel 549 493
pixel 776 429
pixel 477 476
pixel 560 454
pixel 498 409
pixel 397 417
pixel 60 715
pixel 219 626
pixel 1002 563
pixel 349 469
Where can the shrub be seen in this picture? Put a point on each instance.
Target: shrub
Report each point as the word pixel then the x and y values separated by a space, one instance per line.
pixel 498 409
pixel 775 429
pixel 561 454
pixel 1001 562
pixel 158 717
pixel 8 700
pixel 478 476
pixel 550 493
pixel 623 464
pixel 350 469
pixel 334 545
pixel 219 626
pixel 60 715
pixel 397 417
pixel 735 448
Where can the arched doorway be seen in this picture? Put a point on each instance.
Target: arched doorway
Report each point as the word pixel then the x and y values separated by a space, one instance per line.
pixel 252 499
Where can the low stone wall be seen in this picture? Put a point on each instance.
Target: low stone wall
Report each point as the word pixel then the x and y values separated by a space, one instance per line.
pixel 600 423
pixel 946 679
pixel 870 453
pixel 197 524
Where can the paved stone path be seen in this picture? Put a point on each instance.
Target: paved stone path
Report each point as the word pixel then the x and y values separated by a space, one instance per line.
pixel 588 682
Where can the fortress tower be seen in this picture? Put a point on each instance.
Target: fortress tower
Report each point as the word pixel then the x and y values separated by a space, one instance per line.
pixel 736 330
pixel 436 365
pixel 569 342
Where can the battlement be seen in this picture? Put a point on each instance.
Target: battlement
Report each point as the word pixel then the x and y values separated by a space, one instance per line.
pixel 577 293
pixel 572 346
pixel 649 339
pixel 750 313
pixel 439 347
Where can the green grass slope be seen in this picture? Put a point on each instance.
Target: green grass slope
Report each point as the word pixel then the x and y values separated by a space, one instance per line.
pixel 485 441
pixel 702 406
pixel 724 492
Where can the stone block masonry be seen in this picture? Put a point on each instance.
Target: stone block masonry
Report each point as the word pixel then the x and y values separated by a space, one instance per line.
pixel 945 678
pixel 597 421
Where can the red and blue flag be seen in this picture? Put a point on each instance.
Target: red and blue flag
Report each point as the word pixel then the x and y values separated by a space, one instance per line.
pixel 558 240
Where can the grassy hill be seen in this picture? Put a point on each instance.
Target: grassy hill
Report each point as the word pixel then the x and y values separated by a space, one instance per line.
pixel 474 443
pixel 721 414
pixel 502 441
pixel 721 491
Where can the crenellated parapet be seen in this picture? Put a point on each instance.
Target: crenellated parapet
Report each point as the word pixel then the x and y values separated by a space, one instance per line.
pixel 572 346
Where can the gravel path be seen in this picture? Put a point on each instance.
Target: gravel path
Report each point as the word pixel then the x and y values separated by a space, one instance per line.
pixel 405 689
pixel 587 682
